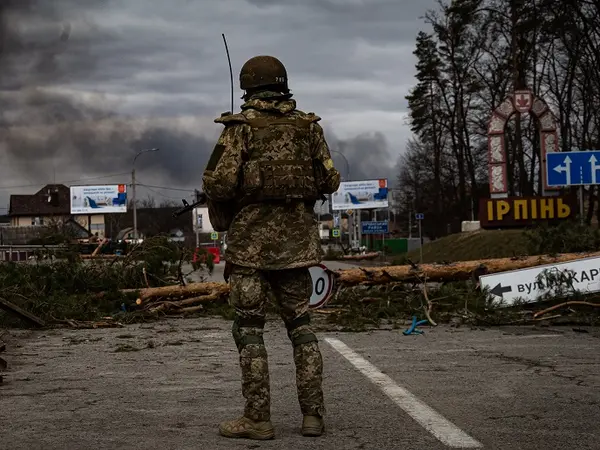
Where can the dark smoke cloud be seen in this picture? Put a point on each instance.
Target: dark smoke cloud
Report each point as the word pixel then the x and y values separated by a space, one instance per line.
pixel 368 157
pixel 50 49
pixel 45 44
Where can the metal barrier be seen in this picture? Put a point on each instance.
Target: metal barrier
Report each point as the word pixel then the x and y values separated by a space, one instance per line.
pixel 22 252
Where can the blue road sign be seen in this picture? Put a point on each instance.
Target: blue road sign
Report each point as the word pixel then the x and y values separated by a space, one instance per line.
pixel 374 227
pixel 419 216
pixel 573 168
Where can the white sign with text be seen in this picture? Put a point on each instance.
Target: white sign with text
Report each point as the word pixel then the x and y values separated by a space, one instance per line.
pixel 529 285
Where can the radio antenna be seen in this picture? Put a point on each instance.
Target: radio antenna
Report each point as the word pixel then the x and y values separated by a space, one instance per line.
pixel 230 69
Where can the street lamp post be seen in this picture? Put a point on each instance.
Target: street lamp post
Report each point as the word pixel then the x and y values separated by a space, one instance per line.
pixel 135 229
pixel 347 164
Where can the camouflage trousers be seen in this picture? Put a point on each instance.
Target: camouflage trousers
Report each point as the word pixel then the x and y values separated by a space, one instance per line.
pixel 291 289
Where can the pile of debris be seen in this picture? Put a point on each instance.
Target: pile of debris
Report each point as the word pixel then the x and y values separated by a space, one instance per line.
pixel 193 297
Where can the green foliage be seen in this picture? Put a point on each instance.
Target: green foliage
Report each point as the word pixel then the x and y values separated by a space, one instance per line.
pixel 63 285
pixel 565 237
pixel 364 307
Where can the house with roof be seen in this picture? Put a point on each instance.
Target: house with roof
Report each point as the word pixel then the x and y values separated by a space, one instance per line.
pixel 50 205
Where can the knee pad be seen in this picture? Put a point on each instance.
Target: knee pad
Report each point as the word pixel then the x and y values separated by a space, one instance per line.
pixel 242 339
pixel 304 336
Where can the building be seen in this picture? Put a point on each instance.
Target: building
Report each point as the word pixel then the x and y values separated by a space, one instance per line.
pixel 50 205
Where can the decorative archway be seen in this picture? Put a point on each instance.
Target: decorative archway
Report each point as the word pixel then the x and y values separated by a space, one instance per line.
pixel 522 101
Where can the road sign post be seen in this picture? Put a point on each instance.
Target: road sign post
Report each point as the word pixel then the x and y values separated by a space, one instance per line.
pixel 581 205
pixel 214 236
pixel 420 217
pixel 374 227
pixel 578 168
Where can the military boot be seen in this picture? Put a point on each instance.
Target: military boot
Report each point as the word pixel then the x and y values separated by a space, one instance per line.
pixel 247 428
pixel 313 426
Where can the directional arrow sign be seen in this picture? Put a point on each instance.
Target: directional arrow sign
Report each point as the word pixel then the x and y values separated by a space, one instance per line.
pixel 500 290
pixel 573 168
pixel 566 169
pixel 594 167
pixel 528 285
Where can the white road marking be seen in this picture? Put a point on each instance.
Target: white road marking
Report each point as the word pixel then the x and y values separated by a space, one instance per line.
pixel 442 429
pixel 537 336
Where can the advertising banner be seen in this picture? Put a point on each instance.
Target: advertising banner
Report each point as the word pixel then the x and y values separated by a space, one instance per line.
pixel 201 222
pixel 366 194
pixel 102 199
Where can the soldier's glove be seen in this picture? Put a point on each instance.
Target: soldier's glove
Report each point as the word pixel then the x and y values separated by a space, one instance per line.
pixel 227 271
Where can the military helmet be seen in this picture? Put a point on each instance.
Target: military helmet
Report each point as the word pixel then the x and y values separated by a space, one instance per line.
pixel 263 71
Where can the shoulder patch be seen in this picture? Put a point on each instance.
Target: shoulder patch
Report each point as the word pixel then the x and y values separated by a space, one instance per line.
pixel 230 119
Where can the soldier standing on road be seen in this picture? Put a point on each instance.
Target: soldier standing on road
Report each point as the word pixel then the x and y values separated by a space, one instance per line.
pixel 273 161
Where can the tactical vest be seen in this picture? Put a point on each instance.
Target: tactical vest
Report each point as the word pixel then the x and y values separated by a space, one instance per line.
pixel 279 165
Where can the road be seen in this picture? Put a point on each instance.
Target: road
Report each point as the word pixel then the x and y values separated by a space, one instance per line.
pixel 515 388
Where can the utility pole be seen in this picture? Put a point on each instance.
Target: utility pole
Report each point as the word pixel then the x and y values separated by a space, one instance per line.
pixel 133 198
pixel 351 219
pixel 196 227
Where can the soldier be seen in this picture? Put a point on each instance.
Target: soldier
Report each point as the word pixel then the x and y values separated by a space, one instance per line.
pixel 273 163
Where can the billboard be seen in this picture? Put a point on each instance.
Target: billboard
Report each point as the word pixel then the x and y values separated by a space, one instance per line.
pixel 366 194
pixel 99 199
pixel 201 222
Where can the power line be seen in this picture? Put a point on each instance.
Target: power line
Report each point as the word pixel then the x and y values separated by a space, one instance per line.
pixel 161 195
pixel 64 182
pixel 164 187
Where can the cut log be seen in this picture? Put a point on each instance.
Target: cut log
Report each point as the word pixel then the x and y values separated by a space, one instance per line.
pixel 457 271
pixel 177 305
pixel 366 256
pixel 100 245
pixel 183 291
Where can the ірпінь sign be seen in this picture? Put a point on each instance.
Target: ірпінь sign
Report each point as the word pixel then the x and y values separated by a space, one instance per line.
pixel 523 211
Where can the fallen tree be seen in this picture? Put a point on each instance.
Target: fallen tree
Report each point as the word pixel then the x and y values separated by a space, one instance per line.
pixel 93 292
pixel 457 271
pixel 361 256
pixel 189 298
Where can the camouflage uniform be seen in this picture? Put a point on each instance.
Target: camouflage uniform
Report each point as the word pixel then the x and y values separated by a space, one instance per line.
pixel 271 245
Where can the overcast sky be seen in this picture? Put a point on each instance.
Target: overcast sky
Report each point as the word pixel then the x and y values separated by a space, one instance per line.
pixel 86 83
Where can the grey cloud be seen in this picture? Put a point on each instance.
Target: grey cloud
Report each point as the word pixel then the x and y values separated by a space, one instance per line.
pixel 82 80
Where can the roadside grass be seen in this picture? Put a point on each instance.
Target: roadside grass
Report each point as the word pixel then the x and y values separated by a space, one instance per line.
pixel 473 245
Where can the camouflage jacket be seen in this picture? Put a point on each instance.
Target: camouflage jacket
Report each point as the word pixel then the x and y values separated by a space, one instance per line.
pixel 262 235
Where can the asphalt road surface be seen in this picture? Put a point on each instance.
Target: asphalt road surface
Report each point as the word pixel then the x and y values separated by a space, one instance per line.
pixel 518 388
